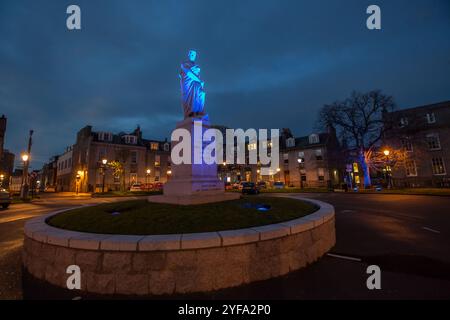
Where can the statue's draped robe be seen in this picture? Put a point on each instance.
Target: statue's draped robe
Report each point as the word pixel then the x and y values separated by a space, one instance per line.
pixel 192 94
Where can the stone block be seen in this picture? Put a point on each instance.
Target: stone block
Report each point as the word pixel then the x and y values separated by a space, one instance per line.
pixel 87 241
pixel 117 262
pixel 160 242
pixel 88 260
pixel 272 231
pixel 161 282
pixel 100 283
pixel 200 240
pixel 241 236
pixel 120 243
pixel 132 284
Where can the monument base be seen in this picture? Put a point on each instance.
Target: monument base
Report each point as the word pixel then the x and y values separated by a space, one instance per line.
pixel 192 200
pixel 194 183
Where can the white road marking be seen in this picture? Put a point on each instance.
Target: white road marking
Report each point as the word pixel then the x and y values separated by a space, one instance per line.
pixel 431 230
pixel 343 257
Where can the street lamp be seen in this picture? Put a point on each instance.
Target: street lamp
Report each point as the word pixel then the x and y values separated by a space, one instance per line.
pixel 78 177
pixel 25 157
pixel 104 162
pixel 388 178
pixel 146 179
pixel 300 161
pixel 2 176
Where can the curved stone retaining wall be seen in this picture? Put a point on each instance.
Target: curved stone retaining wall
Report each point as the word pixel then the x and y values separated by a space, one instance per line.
pixel 180 263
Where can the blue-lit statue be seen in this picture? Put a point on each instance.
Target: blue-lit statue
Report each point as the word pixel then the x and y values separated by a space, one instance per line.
pixel 192 93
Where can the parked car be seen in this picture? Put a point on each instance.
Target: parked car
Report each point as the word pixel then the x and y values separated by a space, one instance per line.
pixel 278 185
pixel 5 198
pixel 262 185
pixel 249 188
pixel 137 187
pixel 228 186
pixel 158 186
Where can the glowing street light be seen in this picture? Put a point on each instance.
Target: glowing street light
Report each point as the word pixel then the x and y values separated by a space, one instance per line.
pixel 386 152
pixel 25 157
pixel 148 171
pixel 105 161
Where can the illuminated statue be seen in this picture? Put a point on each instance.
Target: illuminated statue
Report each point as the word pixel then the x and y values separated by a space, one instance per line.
pixel 192 93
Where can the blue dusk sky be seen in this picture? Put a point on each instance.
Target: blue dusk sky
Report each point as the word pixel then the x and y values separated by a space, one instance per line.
pixel 266 64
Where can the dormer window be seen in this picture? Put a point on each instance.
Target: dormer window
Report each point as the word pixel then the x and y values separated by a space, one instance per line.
pixel 105 136
pixel 129 139
pixel 166 146
pixel 431 118
pixel 290 142
pixel 313 138
pixel 154 146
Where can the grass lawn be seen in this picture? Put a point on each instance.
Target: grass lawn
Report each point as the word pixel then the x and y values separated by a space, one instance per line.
pixel 125 193
pixel 140 217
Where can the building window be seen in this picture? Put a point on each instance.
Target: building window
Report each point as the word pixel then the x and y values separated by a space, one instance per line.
pixel 411 169
pixel 438 166
pixel 252 146
pixel 319 154
pixel 133 156
pixel 313 138
pixel 166 147
pixel 129 139
pixel 154 146
pixel 321 174
pixel 431 118
pixel 403 122
pixel 433 141
pixel 105 136
pixel 290 142
pixel 157 161
pixel 407 145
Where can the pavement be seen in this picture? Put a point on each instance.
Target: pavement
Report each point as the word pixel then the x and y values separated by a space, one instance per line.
pixel 407 236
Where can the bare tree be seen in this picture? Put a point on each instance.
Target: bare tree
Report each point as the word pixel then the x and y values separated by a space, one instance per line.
pixel 359 121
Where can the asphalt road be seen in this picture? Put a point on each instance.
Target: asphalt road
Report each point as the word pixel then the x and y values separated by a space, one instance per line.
pixel 408 237
pixel 12 221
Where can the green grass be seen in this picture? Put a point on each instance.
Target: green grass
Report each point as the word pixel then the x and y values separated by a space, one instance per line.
pixel 140 217
pixel 295 190
pixel 125 194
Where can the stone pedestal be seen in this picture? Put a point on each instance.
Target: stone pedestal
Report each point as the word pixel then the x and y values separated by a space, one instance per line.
pixel 193 183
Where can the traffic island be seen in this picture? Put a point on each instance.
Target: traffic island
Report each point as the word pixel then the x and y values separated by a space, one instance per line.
pixel 178 263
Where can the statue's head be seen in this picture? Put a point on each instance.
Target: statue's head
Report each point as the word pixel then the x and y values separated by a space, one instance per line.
pixel 192 55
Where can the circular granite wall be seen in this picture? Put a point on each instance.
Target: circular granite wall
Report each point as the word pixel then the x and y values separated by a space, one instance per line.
pixel 180 263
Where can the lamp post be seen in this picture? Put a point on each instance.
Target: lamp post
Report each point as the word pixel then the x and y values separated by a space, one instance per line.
pixel 78 177
pixel 25 159
pixel 146 179
pixel 2 177
pixel 388 178
pixel 104 162
pixel 300 162
pixel 24 187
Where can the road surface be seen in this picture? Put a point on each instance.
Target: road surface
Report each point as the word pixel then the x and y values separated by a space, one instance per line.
pixel 408 237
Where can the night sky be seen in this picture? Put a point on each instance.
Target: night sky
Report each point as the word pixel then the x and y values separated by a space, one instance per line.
pixel 266 64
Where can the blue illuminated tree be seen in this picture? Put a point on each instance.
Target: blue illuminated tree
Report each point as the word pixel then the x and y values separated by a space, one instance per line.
pixel 359 121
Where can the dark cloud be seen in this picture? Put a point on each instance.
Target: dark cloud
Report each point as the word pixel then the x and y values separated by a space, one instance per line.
pixel 266 64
